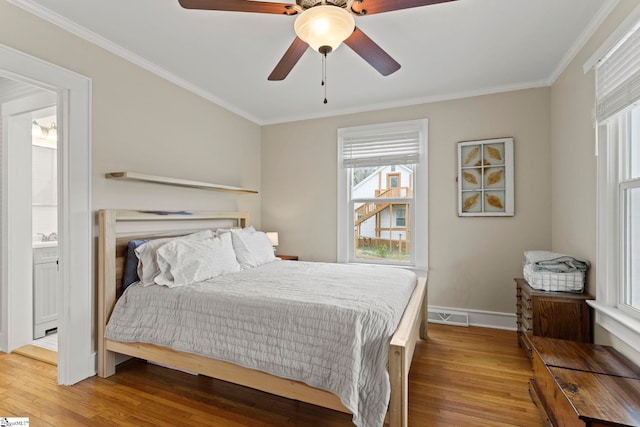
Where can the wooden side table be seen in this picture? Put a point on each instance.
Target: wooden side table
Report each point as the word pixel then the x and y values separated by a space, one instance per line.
pixel 288 257
pixel 563 315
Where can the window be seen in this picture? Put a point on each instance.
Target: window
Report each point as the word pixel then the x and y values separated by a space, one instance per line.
pixel 618 245
pixel 630 206
pixel 382 194
pixel 401 216
pixel 624 143
pixel 393 179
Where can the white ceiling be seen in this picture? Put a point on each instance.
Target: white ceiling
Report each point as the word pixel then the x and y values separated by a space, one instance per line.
pixel 449 50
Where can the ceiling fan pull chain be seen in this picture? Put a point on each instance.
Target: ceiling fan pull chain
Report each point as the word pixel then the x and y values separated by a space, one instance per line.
pixel 324 75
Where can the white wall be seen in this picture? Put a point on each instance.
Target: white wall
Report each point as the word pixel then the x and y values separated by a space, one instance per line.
pixel 473 260
pixel 141 122
pixel 573 161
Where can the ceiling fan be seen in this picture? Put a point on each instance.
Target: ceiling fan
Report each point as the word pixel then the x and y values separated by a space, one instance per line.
pixel 323 25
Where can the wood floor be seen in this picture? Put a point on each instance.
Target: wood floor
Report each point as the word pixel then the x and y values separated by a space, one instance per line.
pixel 38 353
pixel 459 377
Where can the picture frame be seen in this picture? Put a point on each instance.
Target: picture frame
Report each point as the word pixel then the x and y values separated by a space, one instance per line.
pixel 485 177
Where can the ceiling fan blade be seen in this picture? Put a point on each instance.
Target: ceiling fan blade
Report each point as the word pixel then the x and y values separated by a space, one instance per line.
pixel 368 7
pixel 289 60
pixel 240 6
pixel 371 52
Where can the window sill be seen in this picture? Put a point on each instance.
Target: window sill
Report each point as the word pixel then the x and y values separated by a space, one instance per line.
pixel 420 271
pixel 620 324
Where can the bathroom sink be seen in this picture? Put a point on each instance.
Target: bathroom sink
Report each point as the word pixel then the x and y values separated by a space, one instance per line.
pixel 45 244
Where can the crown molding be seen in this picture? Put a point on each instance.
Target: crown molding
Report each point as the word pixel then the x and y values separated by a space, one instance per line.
pixel 584 37
pixel 82 32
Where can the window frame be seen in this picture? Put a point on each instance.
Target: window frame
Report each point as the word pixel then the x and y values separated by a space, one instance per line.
pixel 417 208
pixel 390 177
pixel 611 313
pixel 403 217
pixel 626 288
pixel 615 71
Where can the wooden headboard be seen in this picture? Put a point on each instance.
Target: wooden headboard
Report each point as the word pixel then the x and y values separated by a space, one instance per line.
pixel 117 227
pixel 172 225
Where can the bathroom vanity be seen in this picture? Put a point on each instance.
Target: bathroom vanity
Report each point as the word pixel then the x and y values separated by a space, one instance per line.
pixel 45 289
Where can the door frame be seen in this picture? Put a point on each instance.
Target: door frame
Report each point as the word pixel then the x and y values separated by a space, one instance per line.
pixel 76 349
pixel 17 117
pixel 391 175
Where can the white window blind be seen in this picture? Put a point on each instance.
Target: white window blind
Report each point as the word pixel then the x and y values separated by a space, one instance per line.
pixel 618 77
pixel 383 148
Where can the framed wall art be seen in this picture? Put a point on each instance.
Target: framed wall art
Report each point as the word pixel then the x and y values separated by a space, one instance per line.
pixel 485 177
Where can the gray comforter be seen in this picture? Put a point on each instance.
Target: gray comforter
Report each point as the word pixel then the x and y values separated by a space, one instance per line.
pixel 327 325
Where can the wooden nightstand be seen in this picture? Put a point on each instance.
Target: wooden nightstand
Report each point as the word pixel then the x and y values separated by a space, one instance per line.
pixel 562 315
pixel 288 257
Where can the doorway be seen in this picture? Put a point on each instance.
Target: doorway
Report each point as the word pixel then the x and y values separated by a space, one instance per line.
pixel 76 349
pixel 30 148
pixel 44 232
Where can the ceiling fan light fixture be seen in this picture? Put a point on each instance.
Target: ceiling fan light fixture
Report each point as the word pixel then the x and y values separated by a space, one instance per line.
pixel 324 25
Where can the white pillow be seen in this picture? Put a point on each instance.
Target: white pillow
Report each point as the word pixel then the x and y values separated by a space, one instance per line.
pixel 147 265
pixel 249 230
pixel 188 261
pixel 252 249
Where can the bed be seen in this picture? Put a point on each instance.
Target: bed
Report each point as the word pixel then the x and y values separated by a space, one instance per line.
pixel 117 228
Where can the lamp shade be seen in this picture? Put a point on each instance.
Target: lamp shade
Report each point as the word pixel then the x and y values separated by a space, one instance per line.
pixel 273 236
pixel 324 25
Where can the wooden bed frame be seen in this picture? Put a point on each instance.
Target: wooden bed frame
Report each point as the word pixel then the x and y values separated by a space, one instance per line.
pixel 111 253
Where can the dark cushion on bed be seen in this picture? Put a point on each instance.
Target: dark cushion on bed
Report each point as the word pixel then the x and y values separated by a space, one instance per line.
pixel 130 274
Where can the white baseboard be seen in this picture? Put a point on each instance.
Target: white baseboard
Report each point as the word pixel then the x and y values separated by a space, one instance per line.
pixel 486 319
pixel 120 358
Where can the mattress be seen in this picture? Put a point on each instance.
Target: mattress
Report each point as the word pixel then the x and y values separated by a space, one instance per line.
pixel 327 325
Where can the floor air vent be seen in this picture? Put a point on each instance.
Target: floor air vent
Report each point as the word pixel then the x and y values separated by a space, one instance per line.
pixel 448 317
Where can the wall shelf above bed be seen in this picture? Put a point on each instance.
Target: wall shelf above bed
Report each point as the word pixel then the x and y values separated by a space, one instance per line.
pixel 134 176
